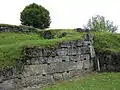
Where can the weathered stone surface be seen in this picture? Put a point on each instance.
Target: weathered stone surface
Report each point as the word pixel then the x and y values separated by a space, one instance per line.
pixel 7 85
pixel 30 70
pixel 72 51
pixel 68 75
pixel 36 80
pixel 58 76
pixel 85 57
pixel 65 45
pixel 49 52
pixel 79 65
pixel 79 50
pixel 86 64
pixel 47 65
pixel 75 58
pixel 34 52
pixel 36 60
pixel 85 50
pixel 62 51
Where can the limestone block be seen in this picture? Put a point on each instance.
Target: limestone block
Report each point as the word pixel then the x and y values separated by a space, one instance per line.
pixel 36 80
pixel 62 51
pixel 85 50
pixel 63 66
pixel 86 64
pixel 37 60
pixel 34 52
pixel 79 65
pixel 84 57
pixel 68 75
pixel 71 66
pixel 51 60
pixel 49 52
pixel 58 76
pixel 57 59
pixel 65 44
pixel 52 68
pixel 30 70
pixel 7 85
pixel 64 58
pixel 58 67
pixel 72 51
pixel 74 58
pixel 79 50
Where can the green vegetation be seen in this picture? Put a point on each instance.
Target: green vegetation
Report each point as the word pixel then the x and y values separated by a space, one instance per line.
pixel 35 15
pixel 12 44
pixel 107 42
pixel 103 81
pixel 99 23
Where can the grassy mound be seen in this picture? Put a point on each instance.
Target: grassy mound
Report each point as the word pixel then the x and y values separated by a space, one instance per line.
pixel 12 44
pixel 103 81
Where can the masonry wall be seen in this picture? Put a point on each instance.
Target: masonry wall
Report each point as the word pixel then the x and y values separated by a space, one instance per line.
pixel 45 66
pixel 109 62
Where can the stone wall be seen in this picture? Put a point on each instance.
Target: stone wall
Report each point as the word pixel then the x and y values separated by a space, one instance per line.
pixel 45 66
pixel 109 62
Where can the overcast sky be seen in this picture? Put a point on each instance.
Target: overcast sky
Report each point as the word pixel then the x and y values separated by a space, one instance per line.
pixel 64 13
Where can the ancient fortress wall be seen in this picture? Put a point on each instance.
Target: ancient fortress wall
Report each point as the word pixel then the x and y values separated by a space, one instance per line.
pixel 45 66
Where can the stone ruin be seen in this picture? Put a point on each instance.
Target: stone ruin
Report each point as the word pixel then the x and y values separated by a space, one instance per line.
pixel 43 66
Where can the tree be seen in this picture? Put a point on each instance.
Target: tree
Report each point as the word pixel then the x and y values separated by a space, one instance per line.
pixel 98 23
pixel 35 15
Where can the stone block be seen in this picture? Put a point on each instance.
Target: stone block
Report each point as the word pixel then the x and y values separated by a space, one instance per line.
pixel 58 76
pixel 65 44
pixel 74 58
pixel 84 57
pixel 79 50
pixel 34 52
pixel 64 58
pixel 36 61
pixel 30 70
pixel 86 64
pixel 52 68
pixel 72 51
pixel 79 65
pixel 49 52
pixel 85 50
pixel 68 75
pixel 71 66
pixel 7 85
pixel 37 80
pixel 62 51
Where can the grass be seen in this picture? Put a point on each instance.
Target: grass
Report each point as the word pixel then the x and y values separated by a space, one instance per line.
pixel 12 44
pixel 102 81
pixel 107 42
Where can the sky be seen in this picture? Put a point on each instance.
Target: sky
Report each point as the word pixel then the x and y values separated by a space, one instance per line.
pixel 64 13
